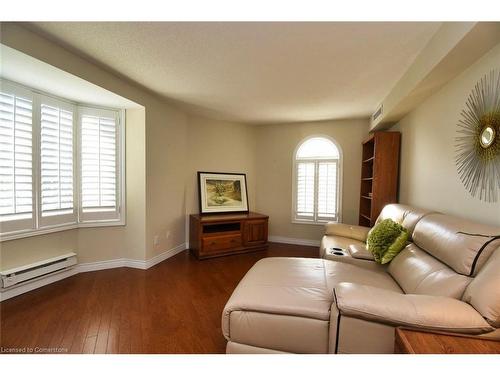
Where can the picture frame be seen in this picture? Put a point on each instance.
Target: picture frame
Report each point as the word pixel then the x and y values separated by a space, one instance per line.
pixel 222 192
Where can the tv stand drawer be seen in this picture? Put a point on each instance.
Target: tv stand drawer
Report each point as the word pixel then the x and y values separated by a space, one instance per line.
pixel 219 243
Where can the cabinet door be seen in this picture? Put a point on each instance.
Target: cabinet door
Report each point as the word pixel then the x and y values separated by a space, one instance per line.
pixel 256 232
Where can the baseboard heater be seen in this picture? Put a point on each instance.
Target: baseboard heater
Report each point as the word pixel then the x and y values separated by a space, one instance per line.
pixel 37 270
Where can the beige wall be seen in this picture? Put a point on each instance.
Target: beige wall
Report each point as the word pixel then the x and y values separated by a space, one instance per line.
pixel 428 176
pixel 275 145
pixel 166 130
pixel 16 253
pixel 218 146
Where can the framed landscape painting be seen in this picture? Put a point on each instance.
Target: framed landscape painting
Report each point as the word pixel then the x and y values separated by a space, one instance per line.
pixel 222 192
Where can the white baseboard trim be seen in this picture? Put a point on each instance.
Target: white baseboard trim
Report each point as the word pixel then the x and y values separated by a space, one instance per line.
pixel 89 267
pixel 165 255
pixel 104 265
pixel 294 241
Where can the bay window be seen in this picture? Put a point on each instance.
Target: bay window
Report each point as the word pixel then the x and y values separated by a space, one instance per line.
pixel 61 163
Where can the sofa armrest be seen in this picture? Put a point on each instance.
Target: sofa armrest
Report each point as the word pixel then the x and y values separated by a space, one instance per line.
pixel 412 310
pixel 355 232
pixel 360 252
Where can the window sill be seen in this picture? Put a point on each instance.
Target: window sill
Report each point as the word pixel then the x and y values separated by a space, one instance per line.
pixel 57 228
pixel 295 221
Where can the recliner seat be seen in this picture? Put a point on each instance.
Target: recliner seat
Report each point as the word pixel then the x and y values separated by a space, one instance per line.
pixel 447 280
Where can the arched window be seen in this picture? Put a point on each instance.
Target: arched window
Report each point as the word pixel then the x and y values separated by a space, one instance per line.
pixel 317 167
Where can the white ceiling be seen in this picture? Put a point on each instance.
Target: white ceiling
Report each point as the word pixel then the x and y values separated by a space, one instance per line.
pixel 28 71
pixel 255 72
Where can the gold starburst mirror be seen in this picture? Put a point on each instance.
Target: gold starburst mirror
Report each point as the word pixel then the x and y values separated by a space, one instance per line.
pixel 487 136
pixel 478 141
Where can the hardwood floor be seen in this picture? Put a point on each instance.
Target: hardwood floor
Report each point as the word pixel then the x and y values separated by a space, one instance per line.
pixel 174 307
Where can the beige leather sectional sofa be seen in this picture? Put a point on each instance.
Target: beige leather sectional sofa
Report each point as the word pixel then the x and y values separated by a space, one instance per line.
pixel 446 279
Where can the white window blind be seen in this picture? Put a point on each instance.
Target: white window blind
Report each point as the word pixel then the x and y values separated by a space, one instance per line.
pixel 316 181
pixel 99 164
pixel 327 190
pixel 16 160
pixel 305 189
pixel 56 162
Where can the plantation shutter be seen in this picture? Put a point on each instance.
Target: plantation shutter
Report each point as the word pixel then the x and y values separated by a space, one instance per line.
pixel 99 165
pixel 56 162
pixel 61 165
pixel 317 181
pixel 327 190
pixel 16 159
pixel 305 189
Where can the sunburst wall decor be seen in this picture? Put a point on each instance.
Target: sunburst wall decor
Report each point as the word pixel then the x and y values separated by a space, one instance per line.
pixel 478 142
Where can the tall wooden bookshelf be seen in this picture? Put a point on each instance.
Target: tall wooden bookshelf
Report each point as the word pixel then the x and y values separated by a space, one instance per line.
pixel 379 175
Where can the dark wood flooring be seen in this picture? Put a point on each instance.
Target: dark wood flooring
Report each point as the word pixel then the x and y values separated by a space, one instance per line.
pixel 174 307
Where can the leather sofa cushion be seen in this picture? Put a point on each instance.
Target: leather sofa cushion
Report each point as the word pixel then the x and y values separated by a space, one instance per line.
pixel 300 287
pixel 419 311
pixel 337 272
pixel 440 235
pixel 484 291
pixel 417 272
pixel 293 334
pixel 405 215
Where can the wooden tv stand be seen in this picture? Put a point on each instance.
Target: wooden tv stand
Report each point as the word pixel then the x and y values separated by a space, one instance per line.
pixel 225 234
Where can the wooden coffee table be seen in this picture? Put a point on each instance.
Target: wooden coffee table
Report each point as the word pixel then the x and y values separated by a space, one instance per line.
pixel 409 341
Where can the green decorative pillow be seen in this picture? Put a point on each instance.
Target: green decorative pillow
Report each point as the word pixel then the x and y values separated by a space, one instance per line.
pixel 386 240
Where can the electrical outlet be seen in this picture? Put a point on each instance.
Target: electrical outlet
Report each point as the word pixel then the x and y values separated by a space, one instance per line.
pixel 167 234
pixel 156 240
